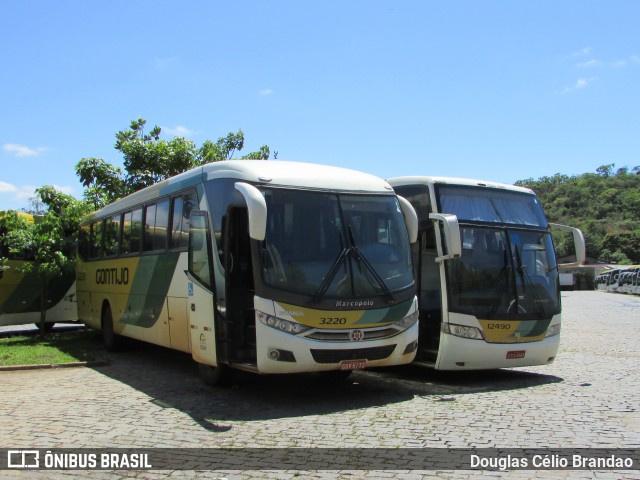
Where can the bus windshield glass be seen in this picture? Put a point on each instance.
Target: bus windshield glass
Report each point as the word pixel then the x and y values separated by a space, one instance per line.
pixel 504 274
pixel 331 245
pixel 476 204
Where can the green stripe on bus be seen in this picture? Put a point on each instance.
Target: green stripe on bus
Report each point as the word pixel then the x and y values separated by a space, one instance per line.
pixel 386 315
pixel 149 289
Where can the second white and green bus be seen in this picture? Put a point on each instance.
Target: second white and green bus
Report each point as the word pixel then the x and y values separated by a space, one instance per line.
pixel 263 266
pixel 488 280
pixel 21 292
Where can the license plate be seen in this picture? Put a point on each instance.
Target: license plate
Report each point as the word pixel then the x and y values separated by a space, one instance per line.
pixel 516 354
pixel 353 364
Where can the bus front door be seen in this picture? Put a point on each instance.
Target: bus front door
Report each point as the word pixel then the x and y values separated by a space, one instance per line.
pixel 239 286
pixel 200 299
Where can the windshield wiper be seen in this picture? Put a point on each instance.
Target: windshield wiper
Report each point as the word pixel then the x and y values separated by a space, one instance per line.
pixel 358 255
pixel 330 275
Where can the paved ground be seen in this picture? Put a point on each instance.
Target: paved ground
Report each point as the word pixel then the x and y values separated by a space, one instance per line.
pixel 150 397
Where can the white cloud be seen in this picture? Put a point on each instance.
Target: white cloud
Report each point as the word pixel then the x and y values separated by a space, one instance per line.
pixel 578 85
pixel 584 52
pixel 22 151
pixel 266 92
pixel 65 190
pixel 590 63
pixel 25 192
pixel 19 192
pixel 7 187
pixel 178 131
pixel 582 82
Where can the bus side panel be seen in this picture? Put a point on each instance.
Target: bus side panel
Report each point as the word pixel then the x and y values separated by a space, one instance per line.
pixel 20 297
pixel 20 292
pixel 179 328
pixel 200 307
pixel 136 290
pixel 179 333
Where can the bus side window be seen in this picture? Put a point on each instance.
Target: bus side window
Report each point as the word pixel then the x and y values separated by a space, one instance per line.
pixel 149 227
pixel 156 226
pixel 131 231
pixel 181 207
pixel 97 249
pixel 199 253
pixel 162 225
pixel 84 242
pixel 112 235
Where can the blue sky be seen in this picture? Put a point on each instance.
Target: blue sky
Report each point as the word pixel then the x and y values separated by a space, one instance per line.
pixel 497 90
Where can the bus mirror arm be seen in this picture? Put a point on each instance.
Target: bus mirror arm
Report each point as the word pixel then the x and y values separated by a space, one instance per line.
pixel 451 231
pixel 410 217
pixel 578 242
pixel 257 209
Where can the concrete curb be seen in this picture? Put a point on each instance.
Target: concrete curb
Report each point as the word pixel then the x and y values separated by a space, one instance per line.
pixel 93 363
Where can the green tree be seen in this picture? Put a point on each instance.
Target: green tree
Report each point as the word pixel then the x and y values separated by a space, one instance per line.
pixel 148 159
pixel 605 205
pixel 103 182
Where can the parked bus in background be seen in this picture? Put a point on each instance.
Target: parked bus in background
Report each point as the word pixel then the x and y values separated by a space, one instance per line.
pixel 627 280
pixel 20 292
pixel 263 266
pixel 612 281
pixel 488 282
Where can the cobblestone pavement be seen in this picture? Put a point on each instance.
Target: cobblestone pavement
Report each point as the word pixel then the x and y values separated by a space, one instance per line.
pixel 151 397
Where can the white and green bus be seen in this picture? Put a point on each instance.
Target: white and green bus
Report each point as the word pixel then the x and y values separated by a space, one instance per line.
pixel 263 266
pixel 21 292
pixel 488 281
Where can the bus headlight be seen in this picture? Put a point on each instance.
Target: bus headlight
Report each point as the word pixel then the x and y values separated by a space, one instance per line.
pixel 408 321
pixel 281 324
pixel 463 331
pixel 553 330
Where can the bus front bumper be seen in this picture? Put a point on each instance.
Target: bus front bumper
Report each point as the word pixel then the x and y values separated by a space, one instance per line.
pixel 457 353
pixel 280 352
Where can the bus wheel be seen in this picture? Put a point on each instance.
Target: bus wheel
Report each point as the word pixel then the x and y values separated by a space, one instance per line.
pixel 112 341
pixel 47 327
pixel 220 376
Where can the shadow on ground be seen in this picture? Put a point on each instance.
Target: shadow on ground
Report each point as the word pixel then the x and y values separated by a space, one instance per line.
pixel 171 379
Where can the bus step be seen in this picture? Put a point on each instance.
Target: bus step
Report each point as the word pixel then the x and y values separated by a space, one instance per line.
pixel 427 354
pixel 245 366
pixel 425 363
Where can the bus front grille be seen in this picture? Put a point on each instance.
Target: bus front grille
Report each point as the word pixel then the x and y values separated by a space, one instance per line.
pixel 345 336
pixel 336 356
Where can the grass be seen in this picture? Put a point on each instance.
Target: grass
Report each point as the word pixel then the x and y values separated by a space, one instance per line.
pixel 53 348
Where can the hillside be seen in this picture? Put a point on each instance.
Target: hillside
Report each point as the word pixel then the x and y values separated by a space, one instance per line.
pixel 605 205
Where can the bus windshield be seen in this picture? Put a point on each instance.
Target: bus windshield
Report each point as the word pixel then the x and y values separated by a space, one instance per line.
pixel 332 245
pixel 491 205
pixel 504 274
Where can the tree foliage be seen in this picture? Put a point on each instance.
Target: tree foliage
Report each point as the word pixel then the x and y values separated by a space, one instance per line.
pixel 605 205
pixel 149 159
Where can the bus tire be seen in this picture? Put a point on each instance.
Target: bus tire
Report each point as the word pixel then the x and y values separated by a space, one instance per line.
pixel 220 376
pixel 112 341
